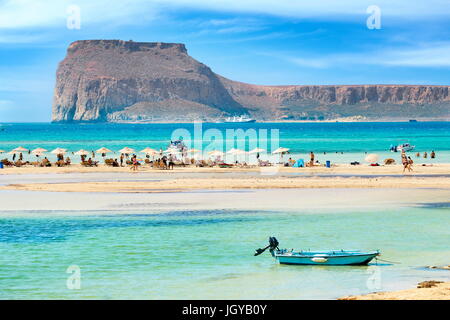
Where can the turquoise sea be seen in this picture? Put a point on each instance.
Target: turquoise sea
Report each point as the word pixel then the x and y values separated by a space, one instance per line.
pixel 208 254
pixel 338 142
pixel 174 246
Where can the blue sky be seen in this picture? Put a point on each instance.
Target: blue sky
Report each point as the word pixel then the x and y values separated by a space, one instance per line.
pixel 261 42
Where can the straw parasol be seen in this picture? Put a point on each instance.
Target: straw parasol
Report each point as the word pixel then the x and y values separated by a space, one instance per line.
pixel 281 150
pixel 236 152
pixel 59 151
pixel 215 153
pixel 257 150
pixel 371 158
pixel 39 151
pixel 172 150
pixel 127 150
pixel 82 152
pixel 19 149
pixel 149 151
pixel 103 150
pixel 193 151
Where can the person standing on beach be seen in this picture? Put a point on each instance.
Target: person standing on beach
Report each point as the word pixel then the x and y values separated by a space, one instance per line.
pixel 404 161
pixel 311 162
pixel 410 163
pixel 121 159
pixel 432 155
pixel 425 155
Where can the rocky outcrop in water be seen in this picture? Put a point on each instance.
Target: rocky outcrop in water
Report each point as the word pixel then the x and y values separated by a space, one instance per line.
pixel 115 80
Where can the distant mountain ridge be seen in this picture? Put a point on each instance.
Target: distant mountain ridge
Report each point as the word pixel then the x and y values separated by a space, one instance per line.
pixel 115 80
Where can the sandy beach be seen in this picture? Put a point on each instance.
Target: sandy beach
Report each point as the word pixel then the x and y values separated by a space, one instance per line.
pixel 427 290
pixel 338 169
pixel 192 178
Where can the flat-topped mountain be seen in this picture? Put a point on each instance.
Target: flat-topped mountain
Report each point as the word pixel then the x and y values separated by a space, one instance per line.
pixel 115 80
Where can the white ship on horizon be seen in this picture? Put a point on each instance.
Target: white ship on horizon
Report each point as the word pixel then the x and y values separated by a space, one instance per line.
pixel 239 119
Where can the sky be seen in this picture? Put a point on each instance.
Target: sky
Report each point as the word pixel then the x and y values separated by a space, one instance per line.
pixel 277 42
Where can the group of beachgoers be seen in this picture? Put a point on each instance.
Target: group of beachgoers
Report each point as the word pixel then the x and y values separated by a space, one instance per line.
pixel 170 160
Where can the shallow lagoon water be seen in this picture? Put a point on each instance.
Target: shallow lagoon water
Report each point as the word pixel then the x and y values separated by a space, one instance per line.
pixel 208 254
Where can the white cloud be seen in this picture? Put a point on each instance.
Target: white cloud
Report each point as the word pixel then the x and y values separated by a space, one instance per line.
pixel 51 13
pixel 429 55
pixel 5 104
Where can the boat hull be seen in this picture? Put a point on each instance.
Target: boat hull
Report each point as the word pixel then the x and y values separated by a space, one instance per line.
pixel 330 260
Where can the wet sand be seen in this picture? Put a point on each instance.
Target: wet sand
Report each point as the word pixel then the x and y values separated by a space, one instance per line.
pixel 148 180
pixel 338 169
pixel 183 184
pixel 440 291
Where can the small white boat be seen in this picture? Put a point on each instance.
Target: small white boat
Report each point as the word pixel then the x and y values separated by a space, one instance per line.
pixel 240 119
pixel 401 147
pixel 329 257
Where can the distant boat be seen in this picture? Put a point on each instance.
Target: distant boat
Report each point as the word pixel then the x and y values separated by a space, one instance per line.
pixel 403 146
pixel 329 257
pixel 412 120
pixel 239 119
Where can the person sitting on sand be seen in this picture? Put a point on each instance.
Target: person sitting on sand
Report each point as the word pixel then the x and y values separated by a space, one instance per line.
pixel 135 164
pixel 68 161
pixel 45 162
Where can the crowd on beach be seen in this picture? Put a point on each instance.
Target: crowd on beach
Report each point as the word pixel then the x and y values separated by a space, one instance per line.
pixel 179 156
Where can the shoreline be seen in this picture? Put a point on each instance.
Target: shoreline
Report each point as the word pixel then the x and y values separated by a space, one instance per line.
pixel 149 180
pixel 257 121
pixel 426 290
pixel 437 169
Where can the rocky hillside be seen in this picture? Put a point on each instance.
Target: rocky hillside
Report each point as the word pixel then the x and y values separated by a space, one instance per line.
pixel 114 80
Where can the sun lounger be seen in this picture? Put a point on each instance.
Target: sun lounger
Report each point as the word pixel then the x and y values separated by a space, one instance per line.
pixel 225 165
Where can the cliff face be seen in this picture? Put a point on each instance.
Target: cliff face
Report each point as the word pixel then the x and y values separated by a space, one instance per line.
pixel 114 80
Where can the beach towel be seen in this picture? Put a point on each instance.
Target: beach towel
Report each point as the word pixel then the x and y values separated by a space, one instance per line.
pixel 299 163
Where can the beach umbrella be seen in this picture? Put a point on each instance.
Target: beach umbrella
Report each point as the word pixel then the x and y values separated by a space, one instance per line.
pixel 172 150
pixel 371 158
pixel 257 150
pixel 19 149
pixel 193 151
pixel 2 151
pixel 126 150
pixel 59 151
pixel 82 152
pixel 103 150
pixel 39 151
pixel 237 152
pixel 215 153
pixel 149 151
pixel 280 150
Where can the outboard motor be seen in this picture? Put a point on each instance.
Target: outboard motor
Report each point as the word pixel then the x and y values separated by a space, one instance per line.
pixel 273 245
